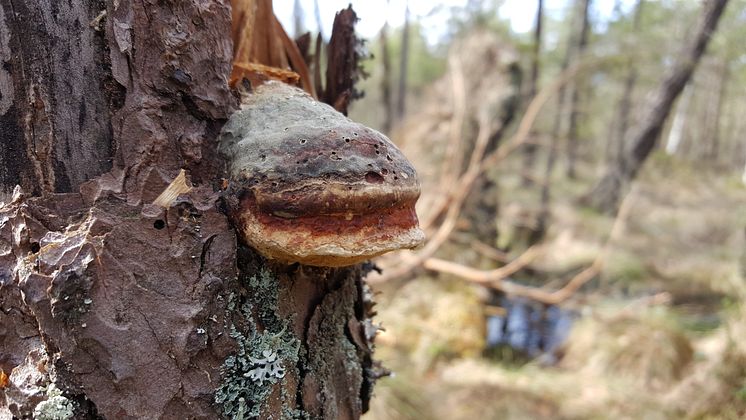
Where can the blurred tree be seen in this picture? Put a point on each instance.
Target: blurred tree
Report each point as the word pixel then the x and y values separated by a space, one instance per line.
pixel 556 134
pixel 679 120
pixel 723 79
pixel 606 194
pixel 385 79
pixel 616 142
pixel 572 134
pixel 298 26
pixel 530 150
pixel 403 60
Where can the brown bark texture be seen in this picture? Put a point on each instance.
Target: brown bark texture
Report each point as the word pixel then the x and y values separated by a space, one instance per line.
pixel 606 194
pixel 133 309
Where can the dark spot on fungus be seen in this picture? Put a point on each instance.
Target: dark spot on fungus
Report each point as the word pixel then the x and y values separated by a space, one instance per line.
pixel 159 224
pixel 35 247
pixel 374 178
pixel 302 141
pixel 384 171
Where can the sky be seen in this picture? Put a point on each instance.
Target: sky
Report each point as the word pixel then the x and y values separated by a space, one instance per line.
pixel 433 14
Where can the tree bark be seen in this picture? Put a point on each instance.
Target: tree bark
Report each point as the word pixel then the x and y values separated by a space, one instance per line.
pixel 572 133
pixel 529 151
pixel 606 194
pixel 135 309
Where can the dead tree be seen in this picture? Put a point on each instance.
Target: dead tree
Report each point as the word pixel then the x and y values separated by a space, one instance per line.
pixel 605 195
pixel 121 279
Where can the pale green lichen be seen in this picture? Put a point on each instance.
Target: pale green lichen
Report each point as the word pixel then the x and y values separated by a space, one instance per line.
pixel 55 407
pixel 262 358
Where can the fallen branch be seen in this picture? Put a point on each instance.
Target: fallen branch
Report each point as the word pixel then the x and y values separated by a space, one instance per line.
pixel 484 277
pixel 495 278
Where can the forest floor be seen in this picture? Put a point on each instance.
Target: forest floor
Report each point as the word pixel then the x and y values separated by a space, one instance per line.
pixel 658 335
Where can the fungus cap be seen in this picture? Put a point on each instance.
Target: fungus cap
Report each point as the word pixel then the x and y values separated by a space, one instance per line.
pixel 309 185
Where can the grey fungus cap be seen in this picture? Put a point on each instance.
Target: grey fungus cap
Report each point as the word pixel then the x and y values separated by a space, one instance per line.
pixel 309 185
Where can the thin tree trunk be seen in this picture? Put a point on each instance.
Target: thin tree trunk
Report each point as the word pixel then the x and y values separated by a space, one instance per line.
pixel 529 152
pixel 403 64
pixel 554 140
pixel 317 15
pixel 386 81
pixel 605 195
pixel 722 93
pixel 297 19
pixel 676 134
pixel 572 134
pixel 625 103
pixel 135 307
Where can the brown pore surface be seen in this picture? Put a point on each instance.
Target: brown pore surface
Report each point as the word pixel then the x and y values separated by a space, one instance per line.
pixel 331 240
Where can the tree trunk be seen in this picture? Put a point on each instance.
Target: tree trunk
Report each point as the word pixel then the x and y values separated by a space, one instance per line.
pixel 572 133
pixel 625 102
pixel 131 307
pixel 676 134
pixel 721 94
pixel 317 15
pixel 545 198
pixel 403 64
pixel 297 19
pixel 529 151
pixel 606 194
pixel 386 81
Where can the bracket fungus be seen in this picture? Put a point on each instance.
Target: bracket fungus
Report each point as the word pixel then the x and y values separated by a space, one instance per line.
pixel 309 185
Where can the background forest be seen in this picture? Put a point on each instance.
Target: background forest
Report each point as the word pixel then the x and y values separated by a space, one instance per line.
pixel 538 294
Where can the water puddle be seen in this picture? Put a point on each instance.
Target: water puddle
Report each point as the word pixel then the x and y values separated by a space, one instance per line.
pixel 527 330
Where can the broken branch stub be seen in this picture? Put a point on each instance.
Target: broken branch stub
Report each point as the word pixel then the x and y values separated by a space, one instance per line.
pixel 309 185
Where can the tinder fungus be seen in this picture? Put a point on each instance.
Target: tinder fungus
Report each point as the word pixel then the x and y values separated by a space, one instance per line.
pixel 309 185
